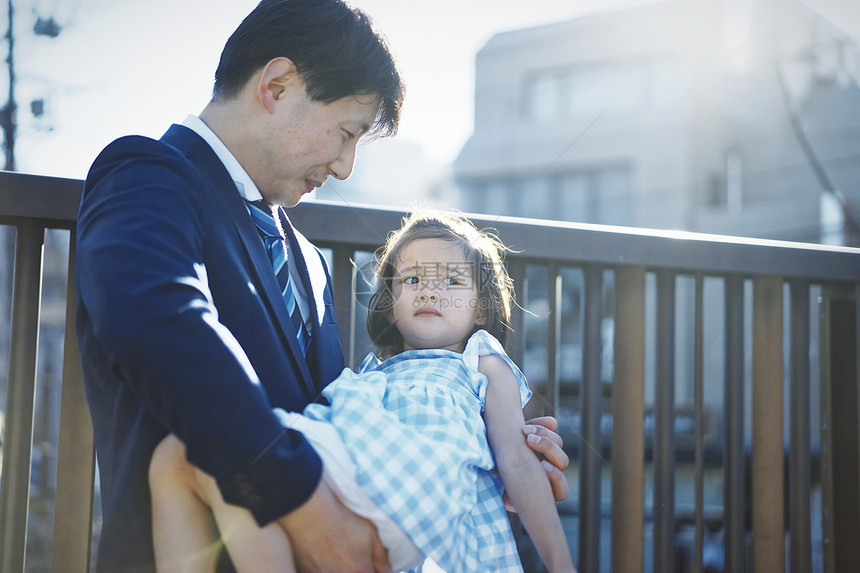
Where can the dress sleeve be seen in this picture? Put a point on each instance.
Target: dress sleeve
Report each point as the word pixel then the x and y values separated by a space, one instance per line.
pixel 482 343
pixel 370 362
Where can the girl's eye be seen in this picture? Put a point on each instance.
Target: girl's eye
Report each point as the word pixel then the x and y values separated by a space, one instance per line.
pixel 349 135
pixel 410 280
pixel 452 281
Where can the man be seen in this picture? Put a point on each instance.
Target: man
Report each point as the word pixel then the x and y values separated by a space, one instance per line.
pixel 182 323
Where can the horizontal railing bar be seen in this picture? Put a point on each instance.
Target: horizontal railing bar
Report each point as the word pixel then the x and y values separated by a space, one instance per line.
pixel 328 223
pixel 582 243
pixel 52 199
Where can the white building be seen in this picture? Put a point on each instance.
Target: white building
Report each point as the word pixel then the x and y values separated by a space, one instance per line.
pixel 678 115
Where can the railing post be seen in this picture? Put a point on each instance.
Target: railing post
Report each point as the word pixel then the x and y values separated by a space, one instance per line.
pixel 839 432
pixel 555 290
pixel 800 472
pixel 734 516
pixel 75 454
pixel 767 419
pixel 628 412
pixel 18 439
pixel 516 340
pixel 344 279
pixel 590 453
pixel 664 426
pixel 699 417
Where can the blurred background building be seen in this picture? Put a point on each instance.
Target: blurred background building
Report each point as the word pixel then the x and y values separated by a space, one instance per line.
pixel 734 117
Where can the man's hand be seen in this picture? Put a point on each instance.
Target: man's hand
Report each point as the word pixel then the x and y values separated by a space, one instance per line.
pixel 540 435
pixel 326 536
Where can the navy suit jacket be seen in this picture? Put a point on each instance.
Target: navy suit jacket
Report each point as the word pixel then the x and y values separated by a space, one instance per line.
pixel 182 329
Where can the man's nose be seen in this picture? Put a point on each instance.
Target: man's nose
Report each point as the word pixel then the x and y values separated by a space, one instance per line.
pixel 341 168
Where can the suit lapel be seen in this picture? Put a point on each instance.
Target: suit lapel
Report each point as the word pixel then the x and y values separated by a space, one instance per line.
pixel 315 281
pixel 296 251
pixel 216 176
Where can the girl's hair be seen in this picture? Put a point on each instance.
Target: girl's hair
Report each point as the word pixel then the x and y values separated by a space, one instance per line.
pixel 482 250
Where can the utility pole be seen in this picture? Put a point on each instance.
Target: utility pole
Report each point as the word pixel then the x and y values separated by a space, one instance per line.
pixel 7 114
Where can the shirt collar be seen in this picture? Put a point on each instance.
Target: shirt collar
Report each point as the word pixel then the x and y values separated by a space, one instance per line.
pixel 244 184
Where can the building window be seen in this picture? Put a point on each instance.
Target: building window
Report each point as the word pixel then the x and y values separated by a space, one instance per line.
pixel 534 198
pixel 615 88
pixel 597 195
pixel 575 201
pixel 493 197
pixel 613 197
pixel 602 195
pixel 474 197
pixel 570 92
pixel 725 189
pixel 832 220
pixel 543 95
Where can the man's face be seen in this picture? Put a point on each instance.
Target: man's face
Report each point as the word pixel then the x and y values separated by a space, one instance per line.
pixel 308 141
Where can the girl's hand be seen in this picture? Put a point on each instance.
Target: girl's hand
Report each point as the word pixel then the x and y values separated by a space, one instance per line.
pixel 541 437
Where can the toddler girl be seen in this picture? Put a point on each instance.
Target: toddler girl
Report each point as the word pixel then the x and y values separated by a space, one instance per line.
pixel 427 436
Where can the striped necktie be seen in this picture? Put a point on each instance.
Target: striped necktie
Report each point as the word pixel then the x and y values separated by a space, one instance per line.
pixel 276 247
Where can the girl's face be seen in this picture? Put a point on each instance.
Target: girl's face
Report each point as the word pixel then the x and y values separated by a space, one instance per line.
pixel 435 293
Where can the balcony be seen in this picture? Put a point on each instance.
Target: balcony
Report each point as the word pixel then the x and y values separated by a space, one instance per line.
pixel 707 386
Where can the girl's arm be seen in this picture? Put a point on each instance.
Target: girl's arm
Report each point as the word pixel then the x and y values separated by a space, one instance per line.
pixel 524 479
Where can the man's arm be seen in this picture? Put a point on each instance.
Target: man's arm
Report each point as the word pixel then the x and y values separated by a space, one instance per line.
pixel 326 536
pixel 541 437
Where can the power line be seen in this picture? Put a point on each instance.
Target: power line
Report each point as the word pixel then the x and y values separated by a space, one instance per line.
pixel 7 114
pixel 42 27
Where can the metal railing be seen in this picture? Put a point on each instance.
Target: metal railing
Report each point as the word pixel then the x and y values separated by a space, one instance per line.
pixel 785 318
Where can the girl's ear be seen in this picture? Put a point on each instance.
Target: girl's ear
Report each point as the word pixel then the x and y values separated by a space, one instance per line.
pixel 481 317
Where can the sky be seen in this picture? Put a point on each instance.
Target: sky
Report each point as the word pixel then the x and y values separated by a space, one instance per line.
pixel 136 66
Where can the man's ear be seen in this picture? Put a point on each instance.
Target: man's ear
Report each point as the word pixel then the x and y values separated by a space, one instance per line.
pixel 279 75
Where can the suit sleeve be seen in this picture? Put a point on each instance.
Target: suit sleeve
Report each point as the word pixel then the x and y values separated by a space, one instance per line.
pixel 142 280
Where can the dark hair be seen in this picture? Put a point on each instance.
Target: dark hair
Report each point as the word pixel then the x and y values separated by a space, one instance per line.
pixel 481 248
pixel 334 47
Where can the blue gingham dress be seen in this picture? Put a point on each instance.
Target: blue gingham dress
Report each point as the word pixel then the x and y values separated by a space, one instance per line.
pixel 413 426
